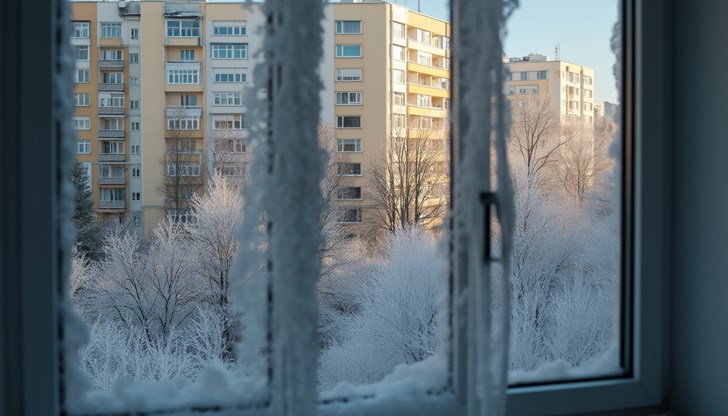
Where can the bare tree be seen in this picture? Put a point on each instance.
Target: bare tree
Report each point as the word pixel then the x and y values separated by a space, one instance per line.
pixel 584 156
pixel 182 165
pixel 410 180
pixel 227 155
pixel 534 134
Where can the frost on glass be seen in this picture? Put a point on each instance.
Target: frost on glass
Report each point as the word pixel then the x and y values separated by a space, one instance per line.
pixel 564 149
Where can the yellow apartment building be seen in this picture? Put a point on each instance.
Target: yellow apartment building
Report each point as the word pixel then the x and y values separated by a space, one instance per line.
pixel 160 94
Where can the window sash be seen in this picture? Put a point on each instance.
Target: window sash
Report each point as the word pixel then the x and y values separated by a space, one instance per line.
pixel 348 27
pixel 109 30
pixel 348 74
pixel 183 28
pixel 81 30
pixel 348 51
pixel 229 51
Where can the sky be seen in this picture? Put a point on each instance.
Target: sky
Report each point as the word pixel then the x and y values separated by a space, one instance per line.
pixel 582 28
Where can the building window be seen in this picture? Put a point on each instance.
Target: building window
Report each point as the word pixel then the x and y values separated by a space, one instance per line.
pixel 112 78
pixel 398 53
pixel 183 28
pixel 136 196
pixel 135 126
pixel 116 124
pixel 82 99
pixel 348 169
pixel 348 27
pixel 84 147
pixel 587 93
pixel 111 171
pixel 134 104
pixel 111 100
pixel 348 145
pixel 80 53
pixel 424 101
pixel 349 193
pixel 425 122
pixel 229 51
pixel 183 76
pixel 398 98
pixel 229 28
pixel 110 30
pixel 398 76
pixel 398 121
pixel 133 58
pixel 112 148
pixel 188 100
pixel 227 122
pixel 112 195
pixel 230 76
pixel 227 99
pixel 348 74
pixel 587 80
pixel 231 169
pixel 111 55
pixel 187 54
pixel 135 33
pixel 348 122
pixel 136 149
pixel 424 36
pixel 82 123
pixel 348 51
pixel 133 80
pixel 186 147
pixel 352 215
pixel 81 30
pixel 348 98
pixel 183 123
pixel 183 169
pixel 542 75
pixel 398 30
pixel 424 58
pixel 136 172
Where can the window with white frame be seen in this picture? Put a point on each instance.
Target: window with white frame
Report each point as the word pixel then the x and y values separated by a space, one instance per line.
pixel 424 36
pixel 348 145
pixel 237 28
pixel 350 215
pixel 348 169
pixel 231 169
pixel 82 99
pixel 229 51
pixel 349 193
pixel 183 123
pixel 187 55
pixel 134 104
pixel 398 53
pixel 183 28
pixel 227 99
pixel 424 58
pixel 348 98
pixel 82 123
pixel 84 147
pixel 398 30
pixel 398 121
pixel 398 98
pixel 80 30
pixel 112 147
pixel 107 171
pixel 183 168
pixel 136 149
pixel 183 146
pixel 135 125
pixel 348 74
pixel 348 51
pixel 81 53
pixel 227 122
pixel 111 99
pixel 225 145
pixel 109 30
pixel 398 76
pixel 136 196
pixel 136 172
pixel 112 194
pixel 134 33
pixel 424 100
pixel 348 122
pixel 188 100
pixel 424 122
pixel 134 58
pixel 112 78
pixel 229 75
pixel 183 76
pixel 344 27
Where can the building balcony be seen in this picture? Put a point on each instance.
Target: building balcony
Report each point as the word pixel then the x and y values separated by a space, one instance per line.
pixel 112 204
pixel 112 157
pixel 428 70
pixel 103 42
pixel 427 90
pixel 436 112
pixel 111 110
pixel 112 181
pixel 111 63
pixel 111 87
pixel 183 111
pixel 111 134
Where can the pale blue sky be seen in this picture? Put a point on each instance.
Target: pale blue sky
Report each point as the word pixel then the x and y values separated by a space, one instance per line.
pixel 582 28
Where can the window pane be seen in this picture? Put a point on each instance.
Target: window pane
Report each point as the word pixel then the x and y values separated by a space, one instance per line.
pixel 566 272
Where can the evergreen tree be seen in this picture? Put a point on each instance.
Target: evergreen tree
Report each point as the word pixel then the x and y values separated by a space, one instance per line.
pixel 88 229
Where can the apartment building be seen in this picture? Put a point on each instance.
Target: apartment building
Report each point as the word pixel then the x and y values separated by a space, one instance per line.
pixel 569 87
pixel 161 93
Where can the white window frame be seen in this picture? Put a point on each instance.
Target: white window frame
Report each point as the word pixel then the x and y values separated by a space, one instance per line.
pixel 342 193
pixel 399 53
pixel 183 76
pixel 81 52
pixel 227 122
pixel 342 167
pixel 342 144
pixel 227 99
pixel 82 99
pixel 81 30
pixel 38 273
pixel 83 147
pixel 341 27
pixel 399 30
pixel 109 30
pixel 358 220
pixel 398 76
pixel 82 123
pixel 134 57
pixel 135 149
pixel 348 75
pixel 134 33
pixel 236 28
pixel 183 123
pixel 341 51
pixel 229 76
pixel 348 98
pixel 135 125
pixel 176 29
pixel 341 122
pixel 229 51
pixel 112 194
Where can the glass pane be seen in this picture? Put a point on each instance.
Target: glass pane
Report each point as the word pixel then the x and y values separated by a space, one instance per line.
pixel 565 145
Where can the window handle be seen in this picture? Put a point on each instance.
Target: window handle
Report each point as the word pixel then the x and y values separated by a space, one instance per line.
pixel 489 200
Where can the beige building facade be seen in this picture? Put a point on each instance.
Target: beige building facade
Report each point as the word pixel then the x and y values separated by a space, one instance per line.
pixel 172 78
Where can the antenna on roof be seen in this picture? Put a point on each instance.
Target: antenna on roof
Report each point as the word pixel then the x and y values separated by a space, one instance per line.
pixel 557 52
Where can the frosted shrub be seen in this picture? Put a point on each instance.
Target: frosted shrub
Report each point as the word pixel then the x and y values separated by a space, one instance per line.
pixel 398 315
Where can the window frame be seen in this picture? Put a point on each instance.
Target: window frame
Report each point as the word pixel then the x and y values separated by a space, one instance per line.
pixel 341 49
pixel 33 286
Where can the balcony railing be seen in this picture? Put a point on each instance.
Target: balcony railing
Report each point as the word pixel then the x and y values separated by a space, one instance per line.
pixel 112 181
pixel 111 87
pixel 112 204
pixel 183 111
pixel 111 110
pixel 111 63
pixel 112 157
pixel 113 134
